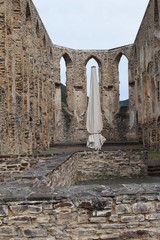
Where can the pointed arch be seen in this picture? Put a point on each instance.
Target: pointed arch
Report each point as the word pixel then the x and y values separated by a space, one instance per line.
pixel 123 78
pixel 51 53
pixel 65 77
pixel 44 42
pixel 67 59
pixel 95 58
pixel 28 13
pixel 63 71
pixel 121 62
pixel 16 5
pixel 156 11
pixel 37 30
pixel 92 61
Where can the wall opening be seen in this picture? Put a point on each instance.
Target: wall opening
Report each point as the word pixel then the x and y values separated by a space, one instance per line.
pixel 156 12
pixel 16 14
pixel 91 62
pixel 123 81
pixel 158 91
pixel 28 13
pixel 51 54
pixel 44 42
pixel 63 71
pixel 37 30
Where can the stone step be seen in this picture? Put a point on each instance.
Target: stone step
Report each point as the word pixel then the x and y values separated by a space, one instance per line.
pixel 154 170
pixel 108 143
pixel 156 173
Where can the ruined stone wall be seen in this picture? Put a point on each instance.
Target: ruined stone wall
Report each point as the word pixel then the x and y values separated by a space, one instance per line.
pixel 31 114
pixel 87 212
pixel 110 164
pixel 70 121
pixel 147 76
pixel 66 169
pixel 26 82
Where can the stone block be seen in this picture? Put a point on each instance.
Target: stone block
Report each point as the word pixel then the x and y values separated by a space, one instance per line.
pixel 3 210
pixel 137 218
pixel 7 231
pixel 26 209
pixel 103 213
pixel 41 219
pixel 143 208
pixel 112 226
pixel 114 218
pixel 153 216
pixel 16 220
pixel 123 208
pixel 109 237
pixel 158 207
pixel 31 232
pixel 97 219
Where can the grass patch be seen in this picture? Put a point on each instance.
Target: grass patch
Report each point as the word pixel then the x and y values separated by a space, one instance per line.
pixel 154 156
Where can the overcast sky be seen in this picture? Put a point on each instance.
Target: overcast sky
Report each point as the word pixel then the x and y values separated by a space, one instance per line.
pixel 92 24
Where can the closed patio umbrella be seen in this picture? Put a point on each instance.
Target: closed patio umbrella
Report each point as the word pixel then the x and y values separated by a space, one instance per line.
pixel 94 122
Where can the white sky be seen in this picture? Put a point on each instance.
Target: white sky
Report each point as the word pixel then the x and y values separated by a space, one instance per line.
pixel 92 24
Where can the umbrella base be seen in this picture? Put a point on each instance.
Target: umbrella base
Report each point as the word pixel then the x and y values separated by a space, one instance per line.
pixel 95 141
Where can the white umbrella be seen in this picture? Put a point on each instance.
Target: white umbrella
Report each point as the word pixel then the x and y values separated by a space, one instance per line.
pixel 94 122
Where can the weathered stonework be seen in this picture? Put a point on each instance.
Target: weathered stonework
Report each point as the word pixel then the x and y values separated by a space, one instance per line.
pixel 87 212
pixel 71 122
pixel 32 117
pixel 109 164
pixel 146 55
pixel 65 169
pixel 26 82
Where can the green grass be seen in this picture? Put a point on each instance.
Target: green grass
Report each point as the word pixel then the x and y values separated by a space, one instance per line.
pixel 154 156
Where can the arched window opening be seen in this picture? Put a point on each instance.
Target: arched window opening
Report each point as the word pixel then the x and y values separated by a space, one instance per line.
pixel 158 91
pixel 16 6
pixel 156 12
pixel 28 13
pixel 37 30
pixel 16 14
pixel 51 54
pixel 63 71
pixel 123 82
pixel 44 42
pixel 153 90
pixel 158 121
pixel 90 63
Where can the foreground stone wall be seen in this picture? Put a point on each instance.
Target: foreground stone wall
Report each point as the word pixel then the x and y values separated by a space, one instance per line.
pixel 147 76
pixel 66 169
pixel 87 212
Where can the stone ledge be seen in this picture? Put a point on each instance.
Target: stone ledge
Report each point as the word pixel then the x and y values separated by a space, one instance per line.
pixel 27 191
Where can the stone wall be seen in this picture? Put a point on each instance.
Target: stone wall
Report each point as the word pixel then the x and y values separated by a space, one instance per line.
pixel 65 169
pixel 87 212
pixel 70 122
pixel 147 76
pixel 31 115
pixel 110 164
pixel 51 169
pixel 26 82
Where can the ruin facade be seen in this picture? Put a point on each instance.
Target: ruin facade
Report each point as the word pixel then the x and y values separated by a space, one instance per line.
pixel 31 114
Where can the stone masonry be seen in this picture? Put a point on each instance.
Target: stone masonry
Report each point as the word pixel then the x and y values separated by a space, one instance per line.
pixel 31 115
pixel 41 204
pixel 80 213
